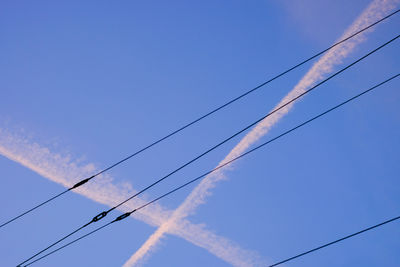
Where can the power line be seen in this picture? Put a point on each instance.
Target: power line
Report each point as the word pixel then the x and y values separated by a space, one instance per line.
pixel 84 181
pixel 127 214
pixel 104 213
pixel 273 265
pixel 28 211
pixel 336 241
pixel 70 243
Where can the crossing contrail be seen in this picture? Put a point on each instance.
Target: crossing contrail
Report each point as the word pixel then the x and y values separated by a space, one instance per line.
pixel 376 10
pixel 65 171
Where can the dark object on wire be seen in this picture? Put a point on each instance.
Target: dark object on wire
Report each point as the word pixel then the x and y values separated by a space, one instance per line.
pixel 104 213
pixel 201 117
pixel 127 214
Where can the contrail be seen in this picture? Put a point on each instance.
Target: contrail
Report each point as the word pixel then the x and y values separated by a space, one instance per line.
pixel 63 170
pixel 376 10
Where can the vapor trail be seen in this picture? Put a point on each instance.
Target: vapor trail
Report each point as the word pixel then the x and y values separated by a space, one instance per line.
pixel 376 10
pixel 63 170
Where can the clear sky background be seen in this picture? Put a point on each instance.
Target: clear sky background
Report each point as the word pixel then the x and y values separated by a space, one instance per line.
pixel 94 81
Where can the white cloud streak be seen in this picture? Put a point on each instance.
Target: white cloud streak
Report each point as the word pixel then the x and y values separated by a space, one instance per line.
pixel 376 10
pixel 65 171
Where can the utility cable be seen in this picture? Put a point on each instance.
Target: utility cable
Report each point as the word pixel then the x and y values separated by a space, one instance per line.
pixel 127 214
pixel 84 181
pixel 336 241
pixel 32 209
pixel 104 213
pixel 273 265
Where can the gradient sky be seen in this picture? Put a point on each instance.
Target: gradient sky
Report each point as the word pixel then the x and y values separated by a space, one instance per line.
pixel 95 81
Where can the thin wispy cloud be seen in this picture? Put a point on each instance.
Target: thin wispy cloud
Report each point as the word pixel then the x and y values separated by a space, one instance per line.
pixel 376 10
pixel 64 170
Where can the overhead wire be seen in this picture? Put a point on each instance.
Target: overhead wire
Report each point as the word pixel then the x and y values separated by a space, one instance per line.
pixel 272 265
pixel 127 214
pixel 104 213
pixel 336 241
pixel 84 181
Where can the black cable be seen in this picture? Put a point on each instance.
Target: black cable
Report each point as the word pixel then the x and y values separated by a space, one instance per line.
pixel 204 116
pixel 70 243
pixel 256 122
pixel 45 202
pixel 265 143
pixel 336 241
pixel 273 265
pixel 104 213
pixel 41 204
pixel 58 241
pixel 127 214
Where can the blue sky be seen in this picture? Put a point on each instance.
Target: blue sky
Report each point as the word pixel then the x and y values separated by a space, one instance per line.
pixel 95 81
